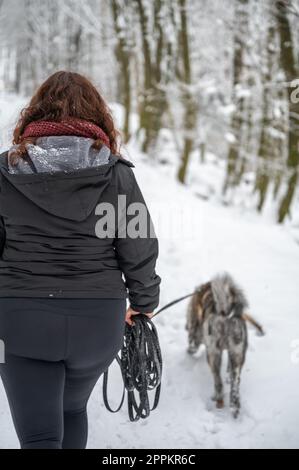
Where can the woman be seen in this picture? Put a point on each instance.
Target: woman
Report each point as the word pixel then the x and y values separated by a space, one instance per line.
pixel 62 259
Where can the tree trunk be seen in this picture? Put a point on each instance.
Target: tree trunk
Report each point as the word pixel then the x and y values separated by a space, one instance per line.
pixel 123 56
pixel 241 27
pixel 191 110
pixel 147 71
pixel 31 66
pixel 291 70
pixel 266 151
pixel 153 96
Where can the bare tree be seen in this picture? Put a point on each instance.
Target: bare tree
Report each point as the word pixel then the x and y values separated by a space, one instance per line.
pixel 266 151
pixel 240 35
pixel 190 105
pixel 123 55
pixel 153 98
pixel 290 66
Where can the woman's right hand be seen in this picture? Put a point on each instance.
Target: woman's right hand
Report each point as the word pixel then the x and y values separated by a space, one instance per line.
pixel 131 313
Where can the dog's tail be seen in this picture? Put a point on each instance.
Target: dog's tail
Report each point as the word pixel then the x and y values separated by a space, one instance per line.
pixel 253 322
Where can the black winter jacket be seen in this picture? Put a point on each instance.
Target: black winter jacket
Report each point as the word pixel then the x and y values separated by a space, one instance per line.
pixel 48 242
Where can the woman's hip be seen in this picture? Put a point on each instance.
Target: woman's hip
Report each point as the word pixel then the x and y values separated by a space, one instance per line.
pixel 80 332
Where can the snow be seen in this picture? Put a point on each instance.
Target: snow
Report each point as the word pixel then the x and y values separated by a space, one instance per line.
pixel 10 105
pixel 264 258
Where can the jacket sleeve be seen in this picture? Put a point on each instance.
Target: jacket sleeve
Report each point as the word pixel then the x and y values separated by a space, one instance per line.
pixel 2 235
pixel 2 226
pixel 137 256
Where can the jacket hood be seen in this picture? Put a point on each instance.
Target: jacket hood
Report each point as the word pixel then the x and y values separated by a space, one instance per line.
pixel 63 175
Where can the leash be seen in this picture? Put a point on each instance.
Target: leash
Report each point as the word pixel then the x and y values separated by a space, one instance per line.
pixel 174 302
pixel 141 366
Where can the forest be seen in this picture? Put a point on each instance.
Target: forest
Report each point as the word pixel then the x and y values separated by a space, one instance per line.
pixel 212 83
pixel 205 94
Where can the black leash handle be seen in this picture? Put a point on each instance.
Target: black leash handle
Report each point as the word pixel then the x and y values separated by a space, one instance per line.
pixel 141 365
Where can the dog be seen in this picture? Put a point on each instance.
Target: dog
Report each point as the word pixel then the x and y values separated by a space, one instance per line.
pixel 217 318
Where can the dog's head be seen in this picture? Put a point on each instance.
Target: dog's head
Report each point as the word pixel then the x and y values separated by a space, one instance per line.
pixel 228 296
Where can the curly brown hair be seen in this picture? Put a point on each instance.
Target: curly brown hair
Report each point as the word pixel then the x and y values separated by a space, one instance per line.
pixel 65 95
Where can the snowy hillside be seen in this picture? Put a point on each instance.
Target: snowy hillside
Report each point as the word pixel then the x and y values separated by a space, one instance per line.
pixel 264 258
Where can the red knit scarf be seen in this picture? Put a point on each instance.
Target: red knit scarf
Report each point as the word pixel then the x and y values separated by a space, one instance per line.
pixel 71 126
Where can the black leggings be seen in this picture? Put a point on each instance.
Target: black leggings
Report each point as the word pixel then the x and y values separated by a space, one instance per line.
pixel 55 352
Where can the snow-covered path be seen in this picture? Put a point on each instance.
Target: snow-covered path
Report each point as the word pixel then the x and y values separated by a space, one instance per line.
pixel 265 260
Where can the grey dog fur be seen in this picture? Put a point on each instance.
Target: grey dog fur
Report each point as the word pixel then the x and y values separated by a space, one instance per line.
pixel 215 319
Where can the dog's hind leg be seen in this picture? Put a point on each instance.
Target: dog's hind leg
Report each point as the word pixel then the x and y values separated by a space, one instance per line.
pixel 194 340
pixel 235 388
pixel 194 336
pixel 194 328
pixel 214 356
pixel 237 351
pixel 228 371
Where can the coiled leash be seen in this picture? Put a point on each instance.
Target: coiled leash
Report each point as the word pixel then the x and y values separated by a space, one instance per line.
pixel 141 366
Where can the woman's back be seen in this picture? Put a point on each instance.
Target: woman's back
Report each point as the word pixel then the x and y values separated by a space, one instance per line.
pixel 49 208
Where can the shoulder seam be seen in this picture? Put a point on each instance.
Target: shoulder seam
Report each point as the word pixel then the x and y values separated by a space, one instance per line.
pixel 124 161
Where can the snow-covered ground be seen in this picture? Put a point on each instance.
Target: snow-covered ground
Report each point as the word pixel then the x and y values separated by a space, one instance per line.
pixel 264 258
